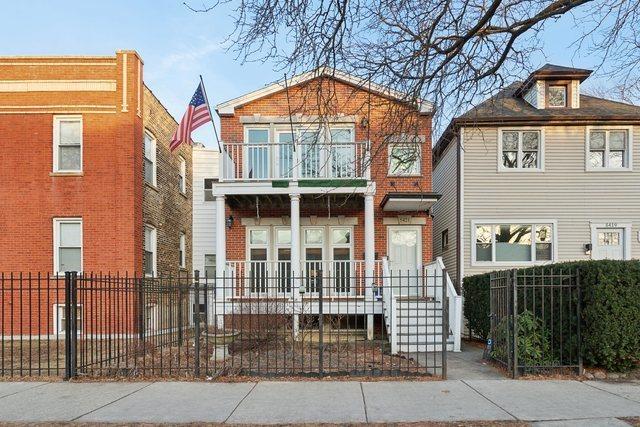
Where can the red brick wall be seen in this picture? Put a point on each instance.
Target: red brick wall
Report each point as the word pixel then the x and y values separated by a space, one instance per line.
pixel 385 117
pixel 106 195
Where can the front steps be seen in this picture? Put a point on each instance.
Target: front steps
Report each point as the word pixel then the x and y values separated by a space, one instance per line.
pixel 418 325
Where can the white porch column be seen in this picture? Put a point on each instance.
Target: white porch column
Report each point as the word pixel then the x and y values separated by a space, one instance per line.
pixel 295 259
pixel 221 257
pixel 369 255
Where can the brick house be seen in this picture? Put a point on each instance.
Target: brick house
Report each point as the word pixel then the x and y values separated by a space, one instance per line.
pixel 323 185
pixel 88 182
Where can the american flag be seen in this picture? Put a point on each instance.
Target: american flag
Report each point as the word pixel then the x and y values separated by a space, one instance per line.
pixel 196 115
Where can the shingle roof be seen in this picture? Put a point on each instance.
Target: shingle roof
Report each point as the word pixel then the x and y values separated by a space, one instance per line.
pixel 507 108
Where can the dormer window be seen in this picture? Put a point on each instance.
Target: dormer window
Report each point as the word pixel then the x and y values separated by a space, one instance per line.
pixel 557 96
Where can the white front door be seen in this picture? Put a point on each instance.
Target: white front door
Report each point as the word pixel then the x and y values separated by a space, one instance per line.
pixel 608 243
pixel 405 254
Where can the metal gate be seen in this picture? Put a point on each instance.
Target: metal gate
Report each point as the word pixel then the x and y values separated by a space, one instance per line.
pixel 536 320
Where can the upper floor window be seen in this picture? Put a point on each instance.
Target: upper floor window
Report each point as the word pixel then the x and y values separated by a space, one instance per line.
pixel 208 189
pixel 608 149
pixel 520 149
pixel 149 158
pixel 445 239
pixel 67 242
pixel 182 175
pixel 513 242
pixel 150 244
pixel 557 96
pixel 67 144
pixel 404 159
pixel 183 250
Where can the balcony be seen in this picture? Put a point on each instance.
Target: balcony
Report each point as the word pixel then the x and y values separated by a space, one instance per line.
pixel 256 162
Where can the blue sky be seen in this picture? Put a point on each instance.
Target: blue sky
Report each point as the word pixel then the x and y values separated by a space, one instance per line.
pixel 175 43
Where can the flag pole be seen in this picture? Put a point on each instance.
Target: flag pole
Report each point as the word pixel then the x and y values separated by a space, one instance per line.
pixel 215 131
pixel 293 138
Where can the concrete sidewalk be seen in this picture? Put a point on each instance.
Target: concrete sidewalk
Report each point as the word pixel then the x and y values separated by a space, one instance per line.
pixel 272 402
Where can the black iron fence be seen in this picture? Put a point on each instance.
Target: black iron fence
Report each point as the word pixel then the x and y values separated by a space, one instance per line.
pixel 260 322
pixel 536 320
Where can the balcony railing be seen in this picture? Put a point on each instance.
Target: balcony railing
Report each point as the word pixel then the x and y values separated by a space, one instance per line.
pixel 276 161
pixel 275 278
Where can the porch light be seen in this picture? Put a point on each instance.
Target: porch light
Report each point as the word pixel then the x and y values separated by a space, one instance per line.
pixel 587 248
pixel 303 289
pixel 229 221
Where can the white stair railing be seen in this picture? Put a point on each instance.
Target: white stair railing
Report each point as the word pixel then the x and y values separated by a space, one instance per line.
pixel 437 269
pixel 390 306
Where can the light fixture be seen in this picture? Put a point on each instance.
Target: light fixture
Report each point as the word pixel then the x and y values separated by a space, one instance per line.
pixel 229 221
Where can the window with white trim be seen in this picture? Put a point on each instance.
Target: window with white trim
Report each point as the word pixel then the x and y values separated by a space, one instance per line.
pixel 513 243
pixel 149 158
pixel 183 250
pixel 60 318
pixel 208 189
pixel 150 244
pixel 67 241
pixel 520 149
pixel 67 144
pixel 404 159
pixel 608 149
pixel 258 256
pixel 182 175
pixel 209 266
pixel 445 239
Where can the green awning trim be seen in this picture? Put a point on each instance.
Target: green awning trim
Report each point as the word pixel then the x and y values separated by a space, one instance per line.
pixel 332 183
pixel 280 184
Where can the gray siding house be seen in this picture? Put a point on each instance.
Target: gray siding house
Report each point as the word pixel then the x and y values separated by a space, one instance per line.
pixel 537 174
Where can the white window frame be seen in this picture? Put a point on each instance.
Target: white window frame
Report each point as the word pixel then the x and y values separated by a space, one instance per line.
pixel 56 242
pixel 541 150
pixel 625 226
pixel 183 250
pixel 417 165
pixel 154 142
pixel 532 223
pixel 56 142
pixel 182 174
pixel 56 318
pixel 606 168
pixel 154 247
pixel 205 265
pixel 153 310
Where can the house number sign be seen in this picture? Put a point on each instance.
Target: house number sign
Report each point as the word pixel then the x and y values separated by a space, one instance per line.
pixel 611 224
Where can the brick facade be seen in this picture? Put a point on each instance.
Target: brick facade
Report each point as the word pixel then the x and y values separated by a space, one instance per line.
pixel 108 93
pixel 375 118
pixel 165 207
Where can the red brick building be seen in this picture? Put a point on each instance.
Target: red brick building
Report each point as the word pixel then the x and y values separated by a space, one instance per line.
pixel 88 182
pixel 328 180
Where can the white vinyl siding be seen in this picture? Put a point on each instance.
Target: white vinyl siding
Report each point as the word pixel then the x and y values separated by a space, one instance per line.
pixel 67 144
pixel 565 192
pixel 205 166
pixel 445 176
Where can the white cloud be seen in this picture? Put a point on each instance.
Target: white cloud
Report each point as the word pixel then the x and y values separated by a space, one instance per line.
pixel 189 56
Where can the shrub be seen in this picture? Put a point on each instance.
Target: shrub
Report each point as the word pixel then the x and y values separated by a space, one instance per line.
pixel 475 293
pixel 533 340
pixel 610 310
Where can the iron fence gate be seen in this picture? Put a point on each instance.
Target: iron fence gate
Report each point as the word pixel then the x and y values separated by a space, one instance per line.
pixel 257 321
pixel 536 320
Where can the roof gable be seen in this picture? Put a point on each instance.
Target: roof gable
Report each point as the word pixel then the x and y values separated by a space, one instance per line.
pixel 228 107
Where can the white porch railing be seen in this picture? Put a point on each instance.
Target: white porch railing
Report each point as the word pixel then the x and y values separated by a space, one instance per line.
pixel 390 307
pixel 435 271
pixel 273 161
pixel 275 278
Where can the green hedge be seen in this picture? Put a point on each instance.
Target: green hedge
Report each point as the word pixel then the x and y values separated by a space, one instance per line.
pixel 475 294
pixel 610 311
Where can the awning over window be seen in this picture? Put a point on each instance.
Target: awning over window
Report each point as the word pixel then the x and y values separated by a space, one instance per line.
pixel 408 202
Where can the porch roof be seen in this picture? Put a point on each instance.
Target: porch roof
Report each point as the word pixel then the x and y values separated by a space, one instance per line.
pixel 408 202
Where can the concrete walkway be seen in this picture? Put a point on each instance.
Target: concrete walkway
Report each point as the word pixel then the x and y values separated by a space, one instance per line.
pixel 272 402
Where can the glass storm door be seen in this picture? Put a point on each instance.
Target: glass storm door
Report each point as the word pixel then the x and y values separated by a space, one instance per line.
pixel 257 153
pixel 404 259
pixel 609 243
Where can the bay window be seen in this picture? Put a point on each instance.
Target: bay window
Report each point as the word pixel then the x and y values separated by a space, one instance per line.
pixel 513 243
